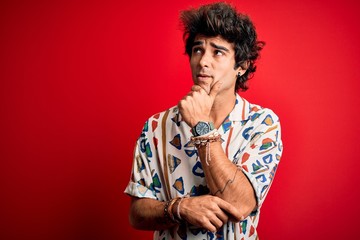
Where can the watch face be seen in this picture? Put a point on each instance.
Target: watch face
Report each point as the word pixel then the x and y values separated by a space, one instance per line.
pixel 202 128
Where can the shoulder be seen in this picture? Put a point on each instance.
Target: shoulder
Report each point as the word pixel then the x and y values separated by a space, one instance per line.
pixel 261 124
pixel 258 113
pixel 163 117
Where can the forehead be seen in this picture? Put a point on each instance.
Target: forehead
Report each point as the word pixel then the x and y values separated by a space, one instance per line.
pixel 218 40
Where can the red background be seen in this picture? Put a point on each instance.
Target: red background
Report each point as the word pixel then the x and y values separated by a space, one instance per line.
pixel 78 79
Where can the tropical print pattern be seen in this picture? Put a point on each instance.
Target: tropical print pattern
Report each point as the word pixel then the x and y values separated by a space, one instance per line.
pixel 166 165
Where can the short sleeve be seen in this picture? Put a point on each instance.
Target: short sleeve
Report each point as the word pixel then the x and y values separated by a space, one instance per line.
pixel 144 181
pixel 261 156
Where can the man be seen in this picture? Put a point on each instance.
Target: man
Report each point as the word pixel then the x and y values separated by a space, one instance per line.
pixel 203 168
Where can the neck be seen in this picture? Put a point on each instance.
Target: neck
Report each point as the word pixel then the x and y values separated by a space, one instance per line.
pixel 222 106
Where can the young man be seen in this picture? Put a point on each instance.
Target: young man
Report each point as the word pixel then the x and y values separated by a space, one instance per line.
pixel 203 168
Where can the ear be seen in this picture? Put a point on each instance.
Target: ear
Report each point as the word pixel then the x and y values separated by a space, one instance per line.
pixel 243 67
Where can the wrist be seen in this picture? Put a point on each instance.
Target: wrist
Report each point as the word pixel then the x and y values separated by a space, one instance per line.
pixel 202 128
pixel 204 142
pixel 179 210
pixel 194 121
pixel 170 208
pixel 176 210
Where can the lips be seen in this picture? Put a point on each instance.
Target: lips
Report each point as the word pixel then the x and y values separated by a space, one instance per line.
pixel 201 75
pixel 204 80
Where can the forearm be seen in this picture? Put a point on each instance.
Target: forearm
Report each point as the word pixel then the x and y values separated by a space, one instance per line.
pixel 148 214
pixel 226 180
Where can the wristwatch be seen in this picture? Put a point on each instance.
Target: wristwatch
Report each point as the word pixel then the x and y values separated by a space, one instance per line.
pixel 202 128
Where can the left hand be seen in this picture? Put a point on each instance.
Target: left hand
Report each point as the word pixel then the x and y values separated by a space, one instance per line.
pixel 196 105
pixel 208 212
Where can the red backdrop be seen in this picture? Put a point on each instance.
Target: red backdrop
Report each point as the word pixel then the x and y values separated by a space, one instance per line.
pixel 78 79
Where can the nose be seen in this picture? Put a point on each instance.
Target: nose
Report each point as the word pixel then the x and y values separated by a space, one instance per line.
pixel 205 60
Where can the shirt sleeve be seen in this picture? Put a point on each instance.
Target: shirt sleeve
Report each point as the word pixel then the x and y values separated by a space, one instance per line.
pixel 261 156
pixel 144 182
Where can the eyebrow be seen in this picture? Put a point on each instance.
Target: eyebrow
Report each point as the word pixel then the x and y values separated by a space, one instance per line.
pixel 197 43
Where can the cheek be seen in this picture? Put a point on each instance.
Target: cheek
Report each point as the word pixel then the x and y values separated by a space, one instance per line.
pixel 227 69
pixel 192 65
pixel 231 69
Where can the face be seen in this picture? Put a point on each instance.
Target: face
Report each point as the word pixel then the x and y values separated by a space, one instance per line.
pixel 213 60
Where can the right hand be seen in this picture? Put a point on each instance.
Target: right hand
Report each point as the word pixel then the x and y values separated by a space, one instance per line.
pixel 208 212
pixel 197 104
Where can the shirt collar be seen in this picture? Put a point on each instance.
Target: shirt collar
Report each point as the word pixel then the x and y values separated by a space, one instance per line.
pixel 241 109
pixel 239 113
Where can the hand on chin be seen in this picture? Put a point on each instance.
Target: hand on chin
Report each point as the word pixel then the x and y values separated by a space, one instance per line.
pixel 205 86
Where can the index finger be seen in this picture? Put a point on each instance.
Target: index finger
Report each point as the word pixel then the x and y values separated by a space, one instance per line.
pixel 215 89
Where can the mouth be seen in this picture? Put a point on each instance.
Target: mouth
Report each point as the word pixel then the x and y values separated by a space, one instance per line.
pixel 203 77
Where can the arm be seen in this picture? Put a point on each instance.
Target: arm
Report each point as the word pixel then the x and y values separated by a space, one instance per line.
pixel 197 106
pixel 147 212
pixel 226 180
pixel 242 188
pixel 208 212
pixel 258 160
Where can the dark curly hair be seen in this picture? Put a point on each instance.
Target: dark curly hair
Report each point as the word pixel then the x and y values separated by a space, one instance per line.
pixel 221 19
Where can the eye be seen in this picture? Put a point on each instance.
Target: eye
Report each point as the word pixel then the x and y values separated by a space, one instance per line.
pixel 197 50
pixel 218 53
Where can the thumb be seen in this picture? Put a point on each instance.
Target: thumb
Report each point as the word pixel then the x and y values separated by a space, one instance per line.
pixel 215 89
